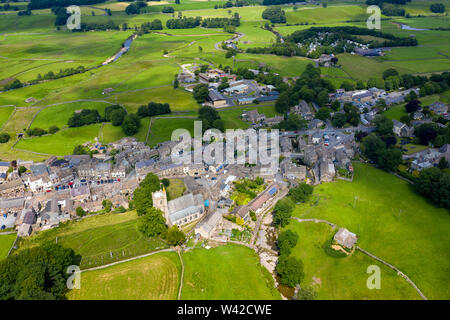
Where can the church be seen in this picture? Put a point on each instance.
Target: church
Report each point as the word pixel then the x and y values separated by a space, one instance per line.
pixel 180 211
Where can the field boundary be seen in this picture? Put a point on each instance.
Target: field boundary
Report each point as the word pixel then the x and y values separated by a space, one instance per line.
pixel 400 273
pixel 182 275
pixel 10 116
pixel 127 260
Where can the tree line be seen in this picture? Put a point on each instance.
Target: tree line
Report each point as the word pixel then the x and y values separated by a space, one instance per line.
pixel 44 4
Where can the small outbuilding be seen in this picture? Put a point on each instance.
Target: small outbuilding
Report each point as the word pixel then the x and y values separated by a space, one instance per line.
pixel 345 238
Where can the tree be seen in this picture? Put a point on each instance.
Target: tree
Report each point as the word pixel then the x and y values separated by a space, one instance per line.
pixel 434 184
pixel 117 117
pixel 22 170
pixel 274 14
pixel 282 212
pixel 175 237
pixel 79 149
pixel 391 72
pixel 39 273
pixel 290 270
pixel 282 103
pixel 152 223
pixel 107 205
pixel 437 8
pixel 324 113
pixel 80 212
pixel 4 137
pixel 209 116
pixel 200 92
pixel 165 182
pixel 443 163
pixel 131 124
pixel 412 106
pixel 339 120
pixel 142 195
pixel 426 132
pixel 383 125
pixel 286 241
pixel 301 193
pixel 53 129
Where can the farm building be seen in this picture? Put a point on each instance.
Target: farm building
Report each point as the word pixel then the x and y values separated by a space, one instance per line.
pixel 345 238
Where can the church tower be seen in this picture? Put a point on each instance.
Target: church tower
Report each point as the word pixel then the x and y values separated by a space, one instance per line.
pixel 160 202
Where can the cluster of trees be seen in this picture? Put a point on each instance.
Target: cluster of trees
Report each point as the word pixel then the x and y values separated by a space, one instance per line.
pixel 151 222
pixel 380 2
pixel 84 117
pixel 276 2
pixel 309 87
pixel 200 92
pixel 44 4
pixel 147 26
pixel 292 122
pixel 229 4
pixel 432 133
pixel 221 22
pixel 37 132
pixel 437 8
pixel 274 14
pixel 289 269
pixel 351 33
pixel 282 211
pixel 153 109
pixel 210 118
pixel 380 146
pixel 350 115
pixel 4 137
pixel 13 85
pixel 110 25
pixel 62 73
pixel 131 124
pixel 24 12
pixel 301 193
pixel 391 10
pixel 8 7
pixel 115 114
pixel 183 23
pixel 135 7
pixel 39 273
pixel 168 9
pixel 434 183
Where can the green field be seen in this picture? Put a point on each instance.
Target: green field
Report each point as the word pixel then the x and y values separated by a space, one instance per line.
pixel 99 240
pixel 161 129
pixel 152 278
pixel 6 242
pixel 5 113
pixel 342 278
pixel 397 111
pixel 226 272
pixel 393 222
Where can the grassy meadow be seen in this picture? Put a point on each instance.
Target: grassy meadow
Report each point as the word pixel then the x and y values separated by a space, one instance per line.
pixel 6 242
pixel 226 272
pixel 155 277
pixel 100 239
pixel 393 222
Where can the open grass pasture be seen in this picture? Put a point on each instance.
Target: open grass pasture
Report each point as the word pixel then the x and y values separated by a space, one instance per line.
pixel 226 272
pixel 59 115
pixel 342 278
pixel 99 240
pixel 5 113
pixel 331 14
pixel 161 129
pixel 232 116
pixel 61 143
pixel 155 277
pixel 6 242
pixel 393 222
